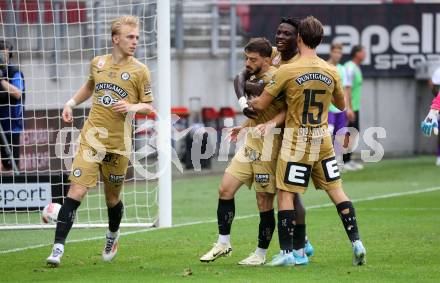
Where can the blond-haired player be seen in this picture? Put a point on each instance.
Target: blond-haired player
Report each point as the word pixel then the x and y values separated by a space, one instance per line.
pixel 310 84
pixel 118 84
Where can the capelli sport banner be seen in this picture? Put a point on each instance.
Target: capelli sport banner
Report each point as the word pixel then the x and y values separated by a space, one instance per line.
pixel 396 37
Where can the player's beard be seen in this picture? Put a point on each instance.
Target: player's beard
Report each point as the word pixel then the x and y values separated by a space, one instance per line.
pixel 254 72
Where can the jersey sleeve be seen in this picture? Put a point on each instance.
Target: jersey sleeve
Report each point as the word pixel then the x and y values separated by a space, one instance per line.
pixel 278 82
pixel 349 75
pixel 145 94
pixel 436 102
pixel 91 78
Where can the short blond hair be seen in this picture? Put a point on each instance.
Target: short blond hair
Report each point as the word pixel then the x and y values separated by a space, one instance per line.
pixel 124 20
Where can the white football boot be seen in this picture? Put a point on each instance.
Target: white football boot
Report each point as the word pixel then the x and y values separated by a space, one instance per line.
pixel 253 259
pixel 55 257
pixel 111 246
pixel 217 251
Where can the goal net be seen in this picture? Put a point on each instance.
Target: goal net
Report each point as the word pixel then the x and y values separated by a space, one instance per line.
pixel 52 44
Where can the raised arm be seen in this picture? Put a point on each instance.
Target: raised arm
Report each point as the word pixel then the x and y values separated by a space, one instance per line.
pixel 239 87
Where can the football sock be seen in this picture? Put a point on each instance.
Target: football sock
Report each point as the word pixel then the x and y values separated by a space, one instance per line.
pixel 225 215
pixel 299 236
pixel 285 230
pixel 65 219
pixel 261 251
pixel 348 216
pixel 266 228
pixel 224 239
pixel 114 216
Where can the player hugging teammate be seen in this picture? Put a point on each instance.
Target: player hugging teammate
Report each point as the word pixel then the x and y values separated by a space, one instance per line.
pixel 118 84
pixel 307 85
pixel 255 163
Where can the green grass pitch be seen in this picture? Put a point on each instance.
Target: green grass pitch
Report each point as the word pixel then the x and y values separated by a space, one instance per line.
pixel 398 209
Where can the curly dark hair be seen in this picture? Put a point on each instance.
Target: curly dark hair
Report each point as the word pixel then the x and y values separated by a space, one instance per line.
pixel 291 21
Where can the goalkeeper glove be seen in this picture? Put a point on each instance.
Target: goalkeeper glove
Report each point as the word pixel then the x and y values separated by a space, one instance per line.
pixel 430 123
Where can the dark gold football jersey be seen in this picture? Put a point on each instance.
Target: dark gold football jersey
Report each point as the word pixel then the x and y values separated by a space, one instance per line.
pixel 130 82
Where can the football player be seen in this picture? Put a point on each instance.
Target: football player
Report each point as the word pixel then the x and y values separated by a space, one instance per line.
pixel 254 164
pixel 430 124
pixel 285 52
pixel 310 84
pixel 118 84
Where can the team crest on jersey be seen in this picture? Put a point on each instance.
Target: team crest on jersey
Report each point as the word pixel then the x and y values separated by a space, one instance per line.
pixel 107 100
pixel 77 172
pixel 125 76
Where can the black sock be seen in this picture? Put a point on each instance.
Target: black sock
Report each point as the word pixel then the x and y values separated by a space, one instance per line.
pixel 299 236
pixel 114 216
pixel 65 219
pixel 266 228
pixel 285 229
pixel 349 220
pixel 225 215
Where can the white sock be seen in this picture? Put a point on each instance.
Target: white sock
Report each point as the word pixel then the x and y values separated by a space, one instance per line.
pixel 300 252
pixel 113 234
pixel 224 239
pixel 58 246
pixel 261 251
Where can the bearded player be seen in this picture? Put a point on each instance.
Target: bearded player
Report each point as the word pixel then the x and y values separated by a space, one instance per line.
pixel 285 52
pixel 118 84
pixel 310 84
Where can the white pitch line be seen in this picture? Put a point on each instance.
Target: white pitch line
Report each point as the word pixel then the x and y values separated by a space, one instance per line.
pixel 391 195
pixel 399 209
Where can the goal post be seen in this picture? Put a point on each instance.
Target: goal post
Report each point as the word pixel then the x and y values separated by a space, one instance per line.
pixel 164 109
pixel 54 42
